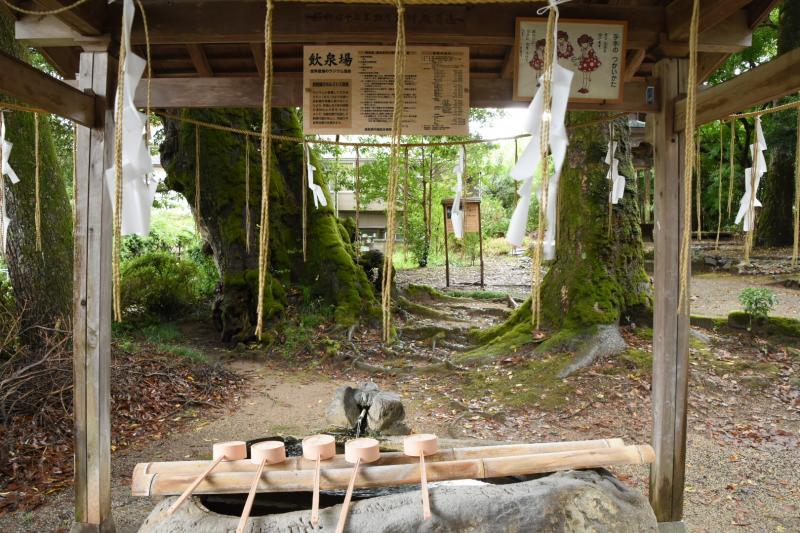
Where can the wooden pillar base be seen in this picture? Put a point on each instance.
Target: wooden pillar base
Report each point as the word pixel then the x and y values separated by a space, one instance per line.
pixel 672 527
pixel 83 527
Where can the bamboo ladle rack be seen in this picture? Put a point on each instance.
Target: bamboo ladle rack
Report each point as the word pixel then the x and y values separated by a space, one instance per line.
pixel 393 468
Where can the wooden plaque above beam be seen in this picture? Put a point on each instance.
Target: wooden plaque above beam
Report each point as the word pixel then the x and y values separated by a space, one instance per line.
pixel 288 91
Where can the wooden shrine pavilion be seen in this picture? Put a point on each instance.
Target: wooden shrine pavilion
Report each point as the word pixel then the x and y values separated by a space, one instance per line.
pixel 210 53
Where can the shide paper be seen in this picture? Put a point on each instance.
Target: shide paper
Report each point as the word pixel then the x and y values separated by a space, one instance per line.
pixel 137 191
pixel 617 181
pixel 316 190
pixel 457 211
pixel 745 214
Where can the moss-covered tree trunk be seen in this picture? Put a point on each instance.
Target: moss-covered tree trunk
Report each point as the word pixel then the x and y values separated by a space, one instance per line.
pixel 597 277
pixel 774 226
pixel 330 272
pixel 42 281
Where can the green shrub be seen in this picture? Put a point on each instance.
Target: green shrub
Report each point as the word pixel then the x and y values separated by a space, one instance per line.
pixel 757 302
pixel 160 286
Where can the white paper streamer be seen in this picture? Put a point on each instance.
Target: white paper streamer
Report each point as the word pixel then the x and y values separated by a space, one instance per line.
pixel 457 211
pixel 745 214
pixel 6 168
pixel 617 181
pixel 137 191
pixel 316 190
pixel 528 164
pixel 6 222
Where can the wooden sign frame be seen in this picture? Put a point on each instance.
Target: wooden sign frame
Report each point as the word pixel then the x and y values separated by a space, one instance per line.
pixel 447 204
pixel 566 23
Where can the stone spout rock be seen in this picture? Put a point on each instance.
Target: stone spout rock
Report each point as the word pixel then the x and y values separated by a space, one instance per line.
pixel 386 415
pixel 575 501
pixel 343 410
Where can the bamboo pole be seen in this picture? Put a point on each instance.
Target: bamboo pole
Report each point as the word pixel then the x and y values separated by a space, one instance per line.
pixel 144 471
pixel 283 480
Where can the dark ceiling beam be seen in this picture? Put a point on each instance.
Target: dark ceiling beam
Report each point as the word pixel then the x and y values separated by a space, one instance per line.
pixel 200 60
pixel 712 12
pixel 87 19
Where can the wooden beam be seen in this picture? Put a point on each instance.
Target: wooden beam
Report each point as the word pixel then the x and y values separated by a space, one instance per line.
pixel 92 307
pixel 767 82
pixel 34 87
pixel 759 10
pixel 200 60
pixel 507 71
pixel 257 50
pixel 670 326
pixel 288 91
pixel 731 36
pixel 86 19
pixel 712 12
pixel 633 62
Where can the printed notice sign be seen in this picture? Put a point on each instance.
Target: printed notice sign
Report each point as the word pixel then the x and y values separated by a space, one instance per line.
pixel 349 90
pixel 594 50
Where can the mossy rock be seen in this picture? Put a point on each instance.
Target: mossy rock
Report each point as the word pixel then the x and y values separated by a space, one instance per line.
pixel 769 327
pixel 428 293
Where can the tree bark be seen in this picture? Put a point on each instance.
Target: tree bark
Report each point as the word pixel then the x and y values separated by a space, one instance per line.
pixel 597 278
pixel 774 226
pixel 330 272
pixel 42 281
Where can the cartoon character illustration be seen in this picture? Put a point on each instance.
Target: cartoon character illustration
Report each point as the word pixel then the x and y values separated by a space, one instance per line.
pixel 589 62
pixel 537 61
pixel 563 47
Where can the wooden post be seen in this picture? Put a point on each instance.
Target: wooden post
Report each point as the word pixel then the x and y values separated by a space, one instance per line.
pixel 92 305
pixel 670 328
pixel 446 252
pixel 480 241
pixel 647 180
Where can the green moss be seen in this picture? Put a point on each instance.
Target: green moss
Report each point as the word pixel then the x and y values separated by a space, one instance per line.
pixel 479 295
pixel 532 383
pixel 707 322
pixel 769 327
pixel 419 309
pixel 426 292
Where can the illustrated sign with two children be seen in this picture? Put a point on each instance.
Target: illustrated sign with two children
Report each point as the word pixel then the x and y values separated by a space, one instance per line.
pixel 595 50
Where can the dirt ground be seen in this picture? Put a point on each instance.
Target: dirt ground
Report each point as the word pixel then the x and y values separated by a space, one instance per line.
pixel 744 406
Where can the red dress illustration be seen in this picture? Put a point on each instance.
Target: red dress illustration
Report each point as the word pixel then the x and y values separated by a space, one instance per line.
pixel 563 47
pixel 589 62
pixel 537 61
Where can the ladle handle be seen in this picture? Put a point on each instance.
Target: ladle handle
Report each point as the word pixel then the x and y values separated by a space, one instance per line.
pixel 251 496
pixel 347 497
pixel 315 497
pixel 190 489
pixel 423 476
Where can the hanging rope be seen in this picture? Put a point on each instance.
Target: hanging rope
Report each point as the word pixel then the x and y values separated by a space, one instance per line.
pixel 405 208
pixel 516 151
pixel 304 194
pixel 688 156
pixel 37 215
pixel 2 193
pixel 266 168
pixel 197 178
pixel 397 128
pixel 46 12
pixel 751 208
pixel 146 27
pixel 115 269
pixel 247 222
pixel 74 169
pixel 544 142
pixel 796 195
pixel 611 182
pixel 698 191
pixel 357 180
pixel 719 186
pixel 731 169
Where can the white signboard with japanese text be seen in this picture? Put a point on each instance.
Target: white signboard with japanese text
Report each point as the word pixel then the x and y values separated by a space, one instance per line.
pixel 349 90
pixel 593 49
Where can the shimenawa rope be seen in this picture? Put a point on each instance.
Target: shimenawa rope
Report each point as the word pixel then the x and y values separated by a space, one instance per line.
pixel 197 178
pixel 37 215
pixel 751 208
pixel 719 185
pixel 731 169
pixel 116 292
pixel 796 195
pixel 698 190
pixel 247 222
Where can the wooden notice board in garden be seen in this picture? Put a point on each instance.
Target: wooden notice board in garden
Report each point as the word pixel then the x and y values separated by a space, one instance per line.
pixel 349 90
pixel 472 224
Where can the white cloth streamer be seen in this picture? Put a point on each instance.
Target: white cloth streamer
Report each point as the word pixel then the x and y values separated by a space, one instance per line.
pixel 617 181
pixel 6 170
pixel 751 182
pixel 137 192
pixel 457 211
pixel 316 190
pixel 528 164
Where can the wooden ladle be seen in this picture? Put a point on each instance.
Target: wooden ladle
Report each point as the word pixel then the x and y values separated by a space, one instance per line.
pixel 262 453
pixel 420 446
pixel 234 450
pixel 318 448
pixel 356 451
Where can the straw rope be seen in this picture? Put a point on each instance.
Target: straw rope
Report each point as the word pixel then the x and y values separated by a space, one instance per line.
pixel 688 155
pixel 698 191
pixel 394 155
pixel 751 208
pixel 37 214
pixel 357 181
pixel 146 27
pixel 796 196
pixel 544 145
pixel 197 178
pixel 116 292
pixel 719 185
pixel 304 195
pixel 732 168
pixel 266 168
pixel 768 111
pixel 611 185
pixel 405 208
pixel 74 170
pixel 44 12
pixel 247 221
